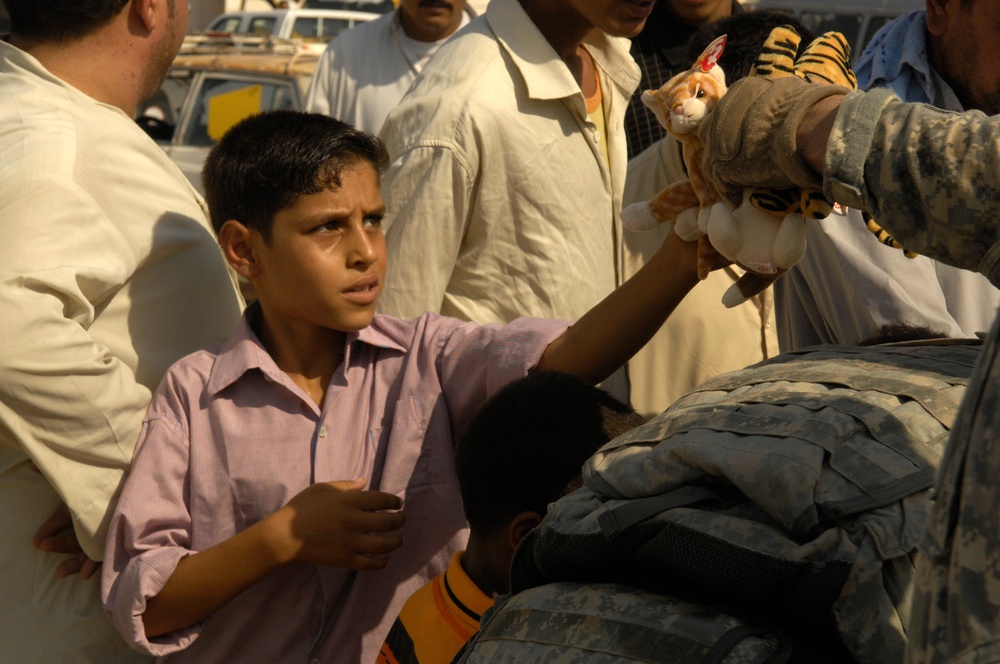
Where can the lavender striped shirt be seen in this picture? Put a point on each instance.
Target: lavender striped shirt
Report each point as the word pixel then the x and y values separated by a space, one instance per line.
pixel 229 439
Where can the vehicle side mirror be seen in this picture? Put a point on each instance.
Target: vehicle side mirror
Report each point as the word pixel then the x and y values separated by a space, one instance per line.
pixel 157 129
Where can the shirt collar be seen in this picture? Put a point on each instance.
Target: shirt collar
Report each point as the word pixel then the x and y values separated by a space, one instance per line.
pixel 464 589
pixel 534 57
pixel 897 57
pixel 244 351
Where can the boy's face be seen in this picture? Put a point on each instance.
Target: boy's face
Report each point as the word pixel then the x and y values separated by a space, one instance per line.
pixel 325 265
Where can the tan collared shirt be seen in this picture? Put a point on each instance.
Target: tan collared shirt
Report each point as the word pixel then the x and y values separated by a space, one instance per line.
pixel 109 273
pixel 500 201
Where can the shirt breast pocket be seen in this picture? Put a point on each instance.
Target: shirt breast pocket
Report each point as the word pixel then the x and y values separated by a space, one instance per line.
pixel 411 458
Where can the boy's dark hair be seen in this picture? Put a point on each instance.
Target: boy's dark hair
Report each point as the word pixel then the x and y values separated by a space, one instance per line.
pixel 526 447
pixel 266 161
pixel 900 331
pixel 61 20
pixel 746 32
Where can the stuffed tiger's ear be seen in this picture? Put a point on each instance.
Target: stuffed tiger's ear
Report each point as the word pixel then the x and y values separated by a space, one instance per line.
pixel 827 57
pixel 777 55
pixel 708 61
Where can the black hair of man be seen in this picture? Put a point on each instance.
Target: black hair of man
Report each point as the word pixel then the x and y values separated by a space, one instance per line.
pixel 61 20
pixel 525 448
pixel 746 33
pixel 263 163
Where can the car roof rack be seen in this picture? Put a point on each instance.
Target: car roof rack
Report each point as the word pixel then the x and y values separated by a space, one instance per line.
pixel 229 42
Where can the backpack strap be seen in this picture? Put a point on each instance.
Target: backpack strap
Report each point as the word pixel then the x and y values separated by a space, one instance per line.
pixel 624 516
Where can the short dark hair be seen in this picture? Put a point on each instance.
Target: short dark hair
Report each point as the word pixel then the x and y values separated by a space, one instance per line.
pixel 526 446
pixel 263 163
pixel 60 20
pixel 746 32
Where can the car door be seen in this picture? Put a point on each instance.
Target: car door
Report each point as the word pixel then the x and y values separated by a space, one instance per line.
pixel 218 100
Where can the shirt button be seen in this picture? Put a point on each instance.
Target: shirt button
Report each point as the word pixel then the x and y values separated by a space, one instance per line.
pixel 322 431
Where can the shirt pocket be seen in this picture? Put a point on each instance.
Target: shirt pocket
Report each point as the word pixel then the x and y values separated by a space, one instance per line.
pixel 411 458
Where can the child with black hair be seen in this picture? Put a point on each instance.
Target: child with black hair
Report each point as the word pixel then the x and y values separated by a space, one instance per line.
pixel 263 518
pixel 522 451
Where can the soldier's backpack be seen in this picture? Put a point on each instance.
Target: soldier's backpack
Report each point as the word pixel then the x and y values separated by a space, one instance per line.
pixel 794 492
pixel 601 623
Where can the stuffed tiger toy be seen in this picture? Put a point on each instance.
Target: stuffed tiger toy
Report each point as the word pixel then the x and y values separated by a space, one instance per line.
pixel 826 59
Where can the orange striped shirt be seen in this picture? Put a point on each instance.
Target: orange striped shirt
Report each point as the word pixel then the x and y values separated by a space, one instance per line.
pixel 437 620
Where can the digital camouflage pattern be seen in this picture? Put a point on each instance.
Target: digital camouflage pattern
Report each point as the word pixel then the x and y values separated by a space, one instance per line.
pixel 956 606
pixel 929 176
pixel 571 623
pixel 800 483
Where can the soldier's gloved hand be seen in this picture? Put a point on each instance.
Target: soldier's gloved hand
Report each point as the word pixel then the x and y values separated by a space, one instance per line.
pixel 750 137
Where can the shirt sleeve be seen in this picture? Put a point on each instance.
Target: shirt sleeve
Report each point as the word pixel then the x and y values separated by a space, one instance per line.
pixel 428 192
pixel 475 361
pixel 928 176
pixel 69 403
pixel 319 98
pixel 151 528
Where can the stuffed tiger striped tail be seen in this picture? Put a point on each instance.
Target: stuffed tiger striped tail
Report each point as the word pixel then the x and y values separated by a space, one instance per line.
pixel 884 236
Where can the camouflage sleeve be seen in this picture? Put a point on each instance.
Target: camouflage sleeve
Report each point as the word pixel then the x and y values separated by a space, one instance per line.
pixel 956 601
pixel 928 176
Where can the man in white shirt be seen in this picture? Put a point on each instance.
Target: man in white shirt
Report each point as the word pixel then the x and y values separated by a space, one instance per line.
pixel 508 165
pixel 366 70
pixel 109 273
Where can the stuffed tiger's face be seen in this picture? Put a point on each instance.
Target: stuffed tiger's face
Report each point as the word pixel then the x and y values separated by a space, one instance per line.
pixel 683 102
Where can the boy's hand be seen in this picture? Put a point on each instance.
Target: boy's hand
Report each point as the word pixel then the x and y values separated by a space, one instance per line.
pixel 335 523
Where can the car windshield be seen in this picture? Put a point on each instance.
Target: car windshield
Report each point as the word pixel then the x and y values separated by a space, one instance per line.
pixel 225 24
pixel 261 25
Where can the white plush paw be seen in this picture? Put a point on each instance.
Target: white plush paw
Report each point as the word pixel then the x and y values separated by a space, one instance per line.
pixel 686 225
pixel 637 217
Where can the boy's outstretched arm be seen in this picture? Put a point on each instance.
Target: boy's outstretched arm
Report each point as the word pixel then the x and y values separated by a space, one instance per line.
pixel 331 523
pixel 613 331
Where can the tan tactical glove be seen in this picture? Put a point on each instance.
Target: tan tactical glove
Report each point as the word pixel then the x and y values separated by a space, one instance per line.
pixel 750 139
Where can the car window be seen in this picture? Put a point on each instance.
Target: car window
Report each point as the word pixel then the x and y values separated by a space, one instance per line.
pixel 230 24
pixel 223 102
pixel 261 25
pixel 334 26
pixel 306 29
pixel 374 6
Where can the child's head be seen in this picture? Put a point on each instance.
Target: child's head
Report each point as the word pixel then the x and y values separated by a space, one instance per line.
pixel 295 200
pixel 265 162
pixel 525 449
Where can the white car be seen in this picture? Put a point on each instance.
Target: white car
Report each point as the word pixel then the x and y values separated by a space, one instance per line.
pixel 216 81
pixel 312 27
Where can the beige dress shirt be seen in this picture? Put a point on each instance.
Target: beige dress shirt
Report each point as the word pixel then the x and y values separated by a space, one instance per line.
pixel 500 201
pixel 109 273
pixel 366 70
pixel 702 338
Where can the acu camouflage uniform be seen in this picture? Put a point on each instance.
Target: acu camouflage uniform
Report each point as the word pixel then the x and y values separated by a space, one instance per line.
pixel 938 193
